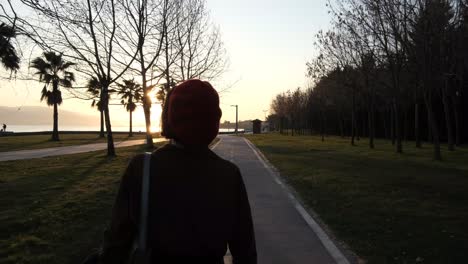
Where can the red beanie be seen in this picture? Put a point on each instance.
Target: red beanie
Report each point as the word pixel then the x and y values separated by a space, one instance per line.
pixel 194 113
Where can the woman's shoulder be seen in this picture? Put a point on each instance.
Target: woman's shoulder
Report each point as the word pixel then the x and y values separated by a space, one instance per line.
pixel 225 164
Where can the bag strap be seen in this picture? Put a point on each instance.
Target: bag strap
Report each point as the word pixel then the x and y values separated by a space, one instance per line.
pixel 144 202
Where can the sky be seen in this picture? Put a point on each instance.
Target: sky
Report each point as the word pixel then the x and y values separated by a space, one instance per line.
pixel 268 43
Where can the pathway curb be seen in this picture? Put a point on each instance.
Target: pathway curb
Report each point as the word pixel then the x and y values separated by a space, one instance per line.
pixel 324 238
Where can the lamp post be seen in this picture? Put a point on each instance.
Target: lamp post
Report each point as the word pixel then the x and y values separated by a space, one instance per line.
pixel 237 122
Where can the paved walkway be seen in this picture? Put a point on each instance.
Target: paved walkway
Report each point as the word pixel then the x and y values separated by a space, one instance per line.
pixel 285 233
pixel 47 152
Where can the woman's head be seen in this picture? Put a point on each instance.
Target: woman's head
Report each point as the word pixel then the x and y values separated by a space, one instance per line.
pixel 191 113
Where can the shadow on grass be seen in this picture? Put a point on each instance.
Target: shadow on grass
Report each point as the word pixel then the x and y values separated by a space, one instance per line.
pixel 54 210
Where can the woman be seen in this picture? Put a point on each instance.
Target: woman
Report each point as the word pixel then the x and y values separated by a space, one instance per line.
pixel 198 204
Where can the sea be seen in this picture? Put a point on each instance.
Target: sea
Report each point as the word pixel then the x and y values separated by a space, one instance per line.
pixel 42 128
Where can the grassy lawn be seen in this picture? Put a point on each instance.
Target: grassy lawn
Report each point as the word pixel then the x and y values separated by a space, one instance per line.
pixel 388 208
pixel 54 210
pixel 12 143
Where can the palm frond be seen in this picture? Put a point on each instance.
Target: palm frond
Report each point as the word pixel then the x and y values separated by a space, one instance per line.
pixel 93 83
pixel 53 58
pixel 131 107
pixel 47 78
pixel 44 93
pixel 54 97
pixel 99 106
pixel 40 65
pixel 9 58
pixel 69 76
pixel 7 31
pixel 65 83
pixel 66 65
pixel 8 55
pixel 48 68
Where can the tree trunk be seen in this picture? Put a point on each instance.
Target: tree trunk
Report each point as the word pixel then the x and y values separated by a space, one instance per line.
pixel 448 117
pixel 292 127
pixel 353 120
pixel 340 120
pixel 416 126
pixel 358 130
pixel 146 108
pixel 110 138
pixel 325 125
pixel 457 119
pixel 405 125
pixel 429 128
pixel 130 133
pixel 55 134
pixel 353 128
pixel 392 125
pixel 433 127
pixel 310 127
pixel 370 116
pixel 387 133
pixel 322 127
pixel 281 125
pixel 398 130
pixel 364 126
pixel 101 132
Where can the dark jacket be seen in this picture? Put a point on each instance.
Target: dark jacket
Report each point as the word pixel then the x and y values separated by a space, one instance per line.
pixel 198 206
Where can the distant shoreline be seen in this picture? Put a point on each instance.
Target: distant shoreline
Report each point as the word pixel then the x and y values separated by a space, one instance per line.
pixel 12 133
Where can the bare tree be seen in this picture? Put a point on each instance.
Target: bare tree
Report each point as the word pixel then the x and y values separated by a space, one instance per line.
pixel 85 31
pixel 145 24
pixel 387 21
pixel 192 46
pixel 174 42
pixel 198 44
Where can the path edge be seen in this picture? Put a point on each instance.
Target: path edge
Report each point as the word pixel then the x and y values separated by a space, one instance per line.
pixel 338 256
pixel 212 147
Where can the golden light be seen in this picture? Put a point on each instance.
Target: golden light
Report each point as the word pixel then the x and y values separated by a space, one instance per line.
pixel 156 112
pixel 152 95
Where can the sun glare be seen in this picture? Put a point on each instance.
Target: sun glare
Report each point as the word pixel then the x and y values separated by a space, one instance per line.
pixel 152 96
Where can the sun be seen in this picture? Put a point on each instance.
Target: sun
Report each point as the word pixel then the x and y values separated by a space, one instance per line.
pixel 152 95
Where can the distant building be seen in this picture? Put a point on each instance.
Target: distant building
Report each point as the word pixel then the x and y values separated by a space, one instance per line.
pixel 265 127
pixel 257 126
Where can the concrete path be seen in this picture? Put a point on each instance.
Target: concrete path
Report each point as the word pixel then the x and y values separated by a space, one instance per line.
pixel 47 152
pixel 285 233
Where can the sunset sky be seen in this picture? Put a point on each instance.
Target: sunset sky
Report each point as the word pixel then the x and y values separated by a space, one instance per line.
pixel 268 43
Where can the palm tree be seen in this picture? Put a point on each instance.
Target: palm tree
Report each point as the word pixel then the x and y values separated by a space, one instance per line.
pixel 8 56
pixel 131 93
pixel 94 88
pixel 52 69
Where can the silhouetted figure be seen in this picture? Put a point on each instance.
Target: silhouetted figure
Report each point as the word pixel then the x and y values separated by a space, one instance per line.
pixel 198 204
pixel 4 127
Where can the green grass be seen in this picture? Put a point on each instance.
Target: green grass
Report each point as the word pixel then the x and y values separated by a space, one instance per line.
pixel 12 143
pixel 54 210
pixel 388 208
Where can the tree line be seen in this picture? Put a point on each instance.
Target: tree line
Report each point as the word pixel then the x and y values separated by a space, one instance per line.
pixel 392 69
pixel 123 47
